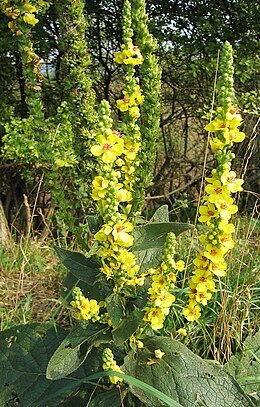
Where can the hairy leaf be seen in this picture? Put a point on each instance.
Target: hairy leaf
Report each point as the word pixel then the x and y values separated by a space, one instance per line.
pixel 161 215
pixel 127 327
pixel 24 354
pixel 154 234
pixel 115 308
pixel 99 290
pixel 82 267
pixel 245 366
pixel 149 241
pixel 75 348
pixel 183 376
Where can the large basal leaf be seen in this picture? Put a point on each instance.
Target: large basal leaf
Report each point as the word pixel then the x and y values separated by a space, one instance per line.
pixel 75 348
pixel 183 376
pixel 24 354
pixel 82 267
pixel 245 366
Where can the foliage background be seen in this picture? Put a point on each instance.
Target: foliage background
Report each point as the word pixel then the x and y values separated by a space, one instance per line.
pixel 189 35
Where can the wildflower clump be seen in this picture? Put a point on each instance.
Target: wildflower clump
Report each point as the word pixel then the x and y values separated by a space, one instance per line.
pixel 110 364
pixel 163 282
pixel 218 205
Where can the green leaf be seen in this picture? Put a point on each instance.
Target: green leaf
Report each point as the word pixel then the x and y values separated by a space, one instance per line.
pixel 183 376
pixel 153 235
pixel 24 353
pixel 161 215
pixel 115 308
pixel 82 267
pixel 127 327
pixel 245 366
pixel 107 398
pixel 99 290
pixel 75 348
pixel 129 379
pixel 94 223
pixel 149 241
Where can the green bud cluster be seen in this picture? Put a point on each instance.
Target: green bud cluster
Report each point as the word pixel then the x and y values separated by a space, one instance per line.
pixel 151 82
pixel 225 86
pixel 169 246
pixel 110 364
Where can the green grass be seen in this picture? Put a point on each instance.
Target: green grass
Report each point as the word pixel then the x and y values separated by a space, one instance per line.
pixel 30 282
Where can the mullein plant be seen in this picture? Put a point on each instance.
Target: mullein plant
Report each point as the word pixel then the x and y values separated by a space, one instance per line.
pixel 218 205
pixel 114 187
pixel 117 159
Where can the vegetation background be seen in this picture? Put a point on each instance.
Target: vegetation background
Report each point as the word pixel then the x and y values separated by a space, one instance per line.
pixel 46 169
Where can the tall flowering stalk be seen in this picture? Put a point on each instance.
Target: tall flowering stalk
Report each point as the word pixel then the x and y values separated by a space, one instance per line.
pixel 218 206
pixel 150 73
pixel 116 150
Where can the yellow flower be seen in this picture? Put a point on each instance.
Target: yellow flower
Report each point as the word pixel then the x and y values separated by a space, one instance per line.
pixel 158 353
pixel 233 135
pixel 192 312
pixel 29 18
pixel 219 268
pixel 130 55
pixel 131 150
pixel 232 113
pixel 120 234
pixel 30 8
pixel 163 300
pixel 123 104
pixel 217 192
pixel 213 253
pixel 158 283
pixel 103 233
pixel 233 184
pixel 100 187
pixel 123 195
pixel 86 309
pixel 226 241
pixel 179 265
pixel 226 208
pixel 109 148
pixel 203 297
pixel 216 144
pixel 215 125
pixel 134 112
pixel 182 331
pixel 155 317
pixel 207 212
pixel 202 280
pixel 201 261
pixel 226 227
